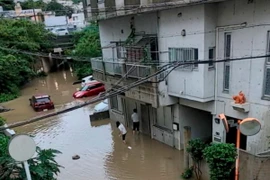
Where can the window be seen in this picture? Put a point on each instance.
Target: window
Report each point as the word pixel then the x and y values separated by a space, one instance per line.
pixel 184 55
pixel 227 68
pixel 135 54
pixel 116 103
pixel 266 91
pixel 121 52
pixel 164 117
pixel 211 57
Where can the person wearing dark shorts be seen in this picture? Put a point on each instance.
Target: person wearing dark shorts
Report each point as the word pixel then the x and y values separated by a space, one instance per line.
pixel 123 131
pixel 136 122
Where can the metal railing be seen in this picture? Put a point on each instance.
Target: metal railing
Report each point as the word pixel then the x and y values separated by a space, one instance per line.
pixel 121 68
pixel 97 64
pixel 139 71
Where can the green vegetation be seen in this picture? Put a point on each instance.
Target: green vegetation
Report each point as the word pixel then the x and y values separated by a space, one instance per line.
pixel 220 158
pixel 53 5
pixel 195 149
pixel 7 4
pixel 187 174
pixel 16 67
pixel 2 121
pixel 42 167
pixel 87 44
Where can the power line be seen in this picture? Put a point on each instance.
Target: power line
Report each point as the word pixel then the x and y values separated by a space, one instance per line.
pixel 123 89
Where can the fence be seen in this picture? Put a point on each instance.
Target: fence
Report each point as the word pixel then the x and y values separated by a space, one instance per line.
pixel 120 68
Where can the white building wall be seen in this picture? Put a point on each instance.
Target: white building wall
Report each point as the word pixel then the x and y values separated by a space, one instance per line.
pixel 118 29
pixel 248 75
pixel 196 84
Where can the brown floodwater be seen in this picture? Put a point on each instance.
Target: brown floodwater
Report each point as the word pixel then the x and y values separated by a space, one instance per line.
pixel 103 155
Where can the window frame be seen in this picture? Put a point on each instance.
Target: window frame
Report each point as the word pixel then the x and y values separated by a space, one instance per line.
pixel 112 104
pixel 267 66
pixel 182 52
pixel 227 55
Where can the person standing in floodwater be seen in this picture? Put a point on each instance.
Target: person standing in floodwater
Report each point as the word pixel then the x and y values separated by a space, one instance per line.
pixel 136 122
pixel 123 131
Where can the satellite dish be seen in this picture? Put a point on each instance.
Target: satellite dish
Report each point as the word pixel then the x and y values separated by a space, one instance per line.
pixel 22 147
pixel 250 126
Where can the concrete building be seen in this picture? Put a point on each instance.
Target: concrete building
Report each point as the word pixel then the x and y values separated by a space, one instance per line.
pixel 138 37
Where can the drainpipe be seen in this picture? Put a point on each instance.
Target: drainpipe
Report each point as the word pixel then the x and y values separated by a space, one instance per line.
pixel 244 24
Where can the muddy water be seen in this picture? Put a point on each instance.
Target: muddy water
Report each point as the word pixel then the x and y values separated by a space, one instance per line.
pixel 103 155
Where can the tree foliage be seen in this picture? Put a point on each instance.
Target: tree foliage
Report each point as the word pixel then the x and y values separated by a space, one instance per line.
pixel 220 158
pixel 7 4
pixel 59 9
pixel 195 149
pixel 42 167
pixel 87 45
pixel 16 67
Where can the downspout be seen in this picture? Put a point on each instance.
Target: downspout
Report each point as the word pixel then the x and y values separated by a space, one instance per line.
pixel 244 24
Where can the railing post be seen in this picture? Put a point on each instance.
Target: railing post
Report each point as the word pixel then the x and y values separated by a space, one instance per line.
pixel 124 69
pixel 104 70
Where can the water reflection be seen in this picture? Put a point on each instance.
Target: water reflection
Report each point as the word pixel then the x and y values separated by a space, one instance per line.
pixel 103 155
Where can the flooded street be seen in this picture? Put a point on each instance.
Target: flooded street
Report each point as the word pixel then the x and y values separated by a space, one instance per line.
pixel 103 155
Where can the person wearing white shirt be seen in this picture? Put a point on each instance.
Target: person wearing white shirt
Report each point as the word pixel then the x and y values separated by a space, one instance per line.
pixel 123 131
pixel 136 122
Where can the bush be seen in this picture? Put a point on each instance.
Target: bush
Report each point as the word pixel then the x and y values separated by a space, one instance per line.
pixel 8 97
pixel 2 121
pixel 220 158
pixel 187 174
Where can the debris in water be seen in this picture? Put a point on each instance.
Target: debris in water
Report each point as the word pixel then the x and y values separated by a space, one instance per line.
pixel 45 109
pixel 129 147
pixel 75 157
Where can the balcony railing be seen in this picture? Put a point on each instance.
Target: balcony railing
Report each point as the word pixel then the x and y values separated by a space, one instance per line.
pixel 121 68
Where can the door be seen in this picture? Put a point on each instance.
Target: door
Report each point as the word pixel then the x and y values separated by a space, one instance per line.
pixel 145 119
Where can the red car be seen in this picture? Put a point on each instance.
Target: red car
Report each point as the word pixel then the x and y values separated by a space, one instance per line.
pixel 41 102
pixel 90 89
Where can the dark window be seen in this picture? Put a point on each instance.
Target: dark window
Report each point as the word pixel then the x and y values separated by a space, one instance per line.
pixel 114 103
pixel 227 67
pixel 267 69
pixel 211 57
pixel 41 100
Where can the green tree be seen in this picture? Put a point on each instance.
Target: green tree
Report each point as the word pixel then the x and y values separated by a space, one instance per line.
pixel 59 9
pixel 87 45
pixel 17 36
pixel 30 4
pixel 7 4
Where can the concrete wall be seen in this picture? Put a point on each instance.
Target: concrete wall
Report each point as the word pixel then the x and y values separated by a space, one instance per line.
pixel 196 84
pixel 199 121
pixel 247 75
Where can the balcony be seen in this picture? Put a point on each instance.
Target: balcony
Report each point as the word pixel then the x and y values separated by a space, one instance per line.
pixel 105 9
pixel 110 72
pixel 116 68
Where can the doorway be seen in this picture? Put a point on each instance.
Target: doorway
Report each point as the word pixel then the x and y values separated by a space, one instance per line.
pixel 145 119
pixel 231 136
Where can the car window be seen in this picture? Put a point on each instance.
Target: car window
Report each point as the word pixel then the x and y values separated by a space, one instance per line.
pixel 84 88
pixel 40 100
pixel 99 85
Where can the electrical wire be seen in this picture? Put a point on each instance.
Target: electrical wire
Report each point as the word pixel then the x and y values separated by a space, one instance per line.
pixel 123 89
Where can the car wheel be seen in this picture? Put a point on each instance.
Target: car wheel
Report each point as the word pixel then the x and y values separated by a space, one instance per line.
pixel 52 107
pixel 36 109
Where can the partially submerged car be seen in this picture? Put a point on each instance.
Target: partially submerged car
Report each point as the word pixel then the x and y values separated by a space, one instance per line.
pixel 102 106
pixel 90 89
pixel 41 102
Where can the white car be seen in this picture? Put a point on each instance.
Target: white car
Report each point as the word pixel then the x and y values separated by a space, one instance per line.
pixel 60 31
pixel 87 80
pixel 101 107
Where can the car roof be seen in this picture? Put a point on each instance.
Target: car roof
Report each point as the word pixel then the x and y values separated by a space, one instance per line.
pixel 41 96
pixel 93 83
pixel 87 77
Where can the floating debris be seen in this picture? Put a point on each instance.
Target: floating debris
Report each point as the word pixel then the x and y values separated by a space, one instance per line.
pixel 75 157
